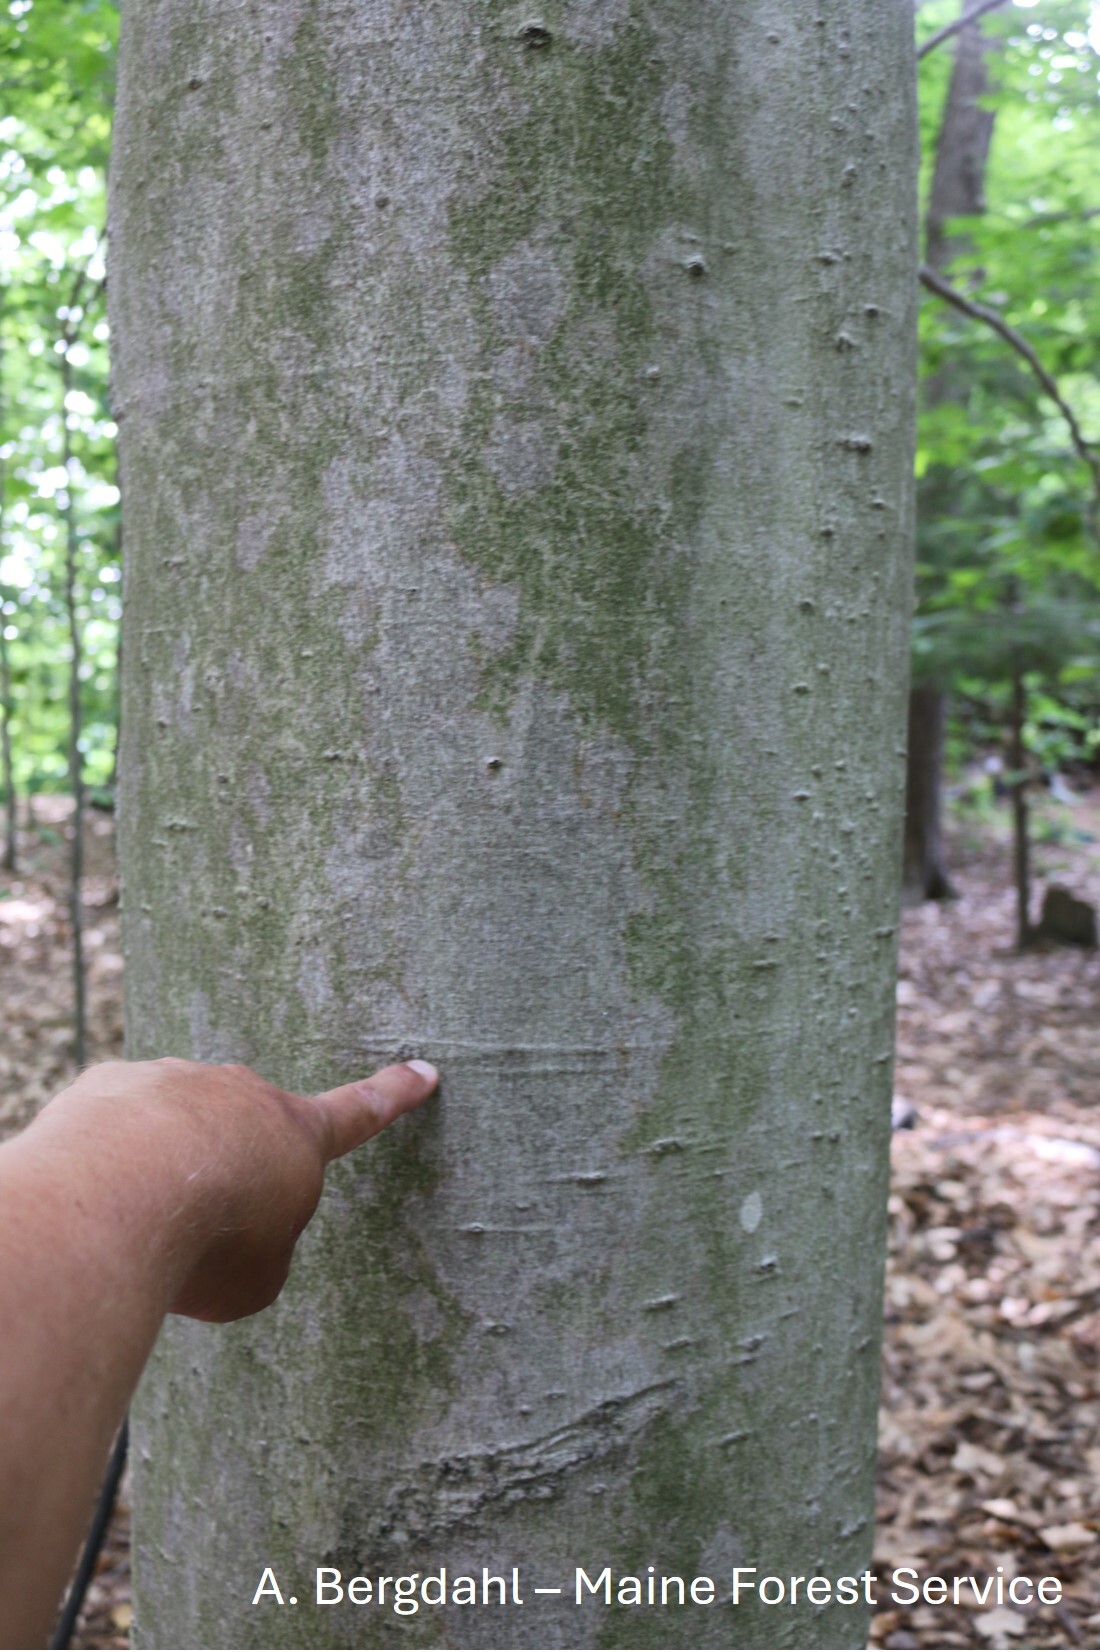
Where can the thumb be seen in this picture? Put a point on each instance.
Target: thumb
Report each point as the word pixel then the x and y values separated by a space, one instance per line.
pixel 356 1112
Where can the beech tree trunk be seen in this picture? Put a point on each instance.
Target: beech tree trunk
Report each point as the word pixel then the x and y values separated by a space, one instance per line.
pixel 516 443
pixel 958 191
pixel 924 876
pixel 76 726
pixel 962 150
pixel 1021 832
pixel 7 767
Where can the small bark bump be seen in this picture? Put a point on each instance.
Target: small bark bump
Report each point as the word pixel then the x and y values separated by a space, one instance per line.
pixel 534 35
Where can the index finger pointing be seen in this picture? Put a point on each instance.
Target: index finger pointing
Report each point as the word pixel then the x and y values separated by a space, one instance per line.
pixel 356 1112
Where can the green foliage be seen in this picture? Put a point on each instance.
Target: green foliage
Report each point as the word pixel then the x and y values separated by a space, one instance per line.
pixel 1008 558
pixel 57 68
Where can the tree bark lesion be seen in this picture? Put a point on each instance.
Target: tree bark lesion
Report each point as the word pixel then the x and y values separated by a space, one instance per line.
pixel 454 1490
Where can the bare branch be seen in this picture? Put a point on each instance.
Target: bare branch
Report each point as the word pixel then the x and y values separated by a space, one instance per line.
pixel 71 328
pixel 949 29
pixel 935 283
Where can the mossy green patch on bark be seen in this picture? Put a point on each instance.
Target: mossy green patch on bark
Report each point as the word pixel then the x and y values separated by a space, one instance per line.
pixel 588 166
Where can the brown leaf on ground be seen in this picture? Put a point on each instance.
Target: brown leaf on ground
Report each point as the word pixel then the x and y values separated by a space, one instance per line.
pixel 990 1433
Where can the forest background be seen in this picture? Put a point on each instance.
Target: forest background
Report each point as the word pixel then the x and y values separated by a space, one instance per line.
pixel 1006 705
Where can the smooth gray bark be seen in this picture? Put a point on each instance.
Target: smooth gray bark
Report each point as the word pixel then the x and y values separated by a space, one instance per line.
pixel 516 438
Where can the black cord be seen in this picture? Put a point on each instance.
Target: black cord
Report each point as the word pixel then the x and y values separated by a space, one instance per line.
pixel 63 1634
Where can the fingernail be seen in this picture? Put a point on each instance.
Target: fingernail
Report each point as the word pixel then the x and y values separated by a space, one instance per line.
pixel 425 1069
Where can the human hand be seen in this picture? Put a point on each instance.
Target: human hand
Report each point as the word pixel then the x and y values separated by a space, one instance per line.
pixel 246 1161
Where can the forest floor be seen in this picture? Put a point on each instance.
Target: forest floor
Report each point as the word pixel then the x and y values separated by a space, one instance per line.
pixel 990 1428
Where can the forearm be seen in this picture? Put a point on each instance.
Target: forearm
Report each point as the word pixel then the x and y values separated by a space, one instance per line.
pixel 144 1187
pixel 88 1267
